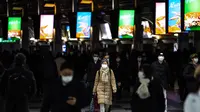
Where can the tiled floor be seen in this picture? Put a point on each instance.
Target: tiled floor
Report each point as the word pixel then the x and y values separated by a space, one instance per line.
pixel 123 106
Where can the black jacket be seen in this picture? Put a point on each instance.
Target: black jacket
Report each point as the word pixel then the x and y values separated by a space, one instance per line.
pixel 11 71
pixel 57 96
pixel 155 103
pixel 161 72
pixel 91 71
pixel 188 74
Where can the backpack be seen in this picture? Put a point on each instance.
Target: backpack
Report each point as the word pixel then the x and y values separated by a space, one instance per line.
pixel 18 84
pixel 143 91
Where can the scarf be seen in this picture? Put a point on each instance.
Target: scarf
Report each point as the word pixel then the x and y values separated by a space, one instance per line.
pixel 105 74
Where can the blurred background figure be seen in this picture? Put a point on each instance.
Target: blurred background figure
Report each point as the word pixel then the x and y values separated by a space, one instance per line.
pixel 193 100
pixel 18 85
pixel 188 74
pixel 148 93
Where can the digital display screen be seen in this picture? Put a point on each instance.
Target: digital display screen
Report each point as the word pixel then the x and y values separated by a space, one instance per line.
pixel 105 31
pixel 126 24
pixel 147 33
pixel 160 19
pixel 174 16
pixel 83 26
pixel 64 48
pixel 192 15
pixel 46 26
pixel 14 27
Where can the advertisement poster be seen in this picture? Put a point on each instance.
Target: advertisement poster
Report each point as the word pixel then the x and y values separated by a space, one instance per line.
pixel 83 24
pixel 14 27
pixel 160 21
pixel 147 33
pixel 126 23
pixel 46 27
pixel 105 31
pixel 174 16
pixel 192 15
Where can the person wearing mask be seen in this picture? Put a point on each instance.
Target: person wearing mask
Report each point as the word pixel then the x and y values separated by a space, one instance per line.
pixel 104 86
pixel 188 74
pixel 192 101
pixel 148 93
pixel 65 94
pixel 18 85
pixel 117 68
pixel 161 73
pixel 92 69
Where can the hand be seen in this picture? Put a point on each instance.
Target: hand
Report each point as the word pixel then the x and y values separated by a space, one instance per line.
pixel 71 101
pixel 114 91
pixel 119 83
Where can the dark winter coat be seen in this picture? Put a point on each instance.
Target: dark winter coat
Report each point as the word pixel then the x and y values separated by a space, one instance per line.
pixel 56 98
pixel 161 72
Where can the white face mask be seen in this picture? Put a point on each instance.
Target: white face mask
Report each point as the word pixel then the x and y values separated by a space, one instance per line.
pixel 139 59
pixel 118 59
pixel 196 60
pixel 161 58
pixel 104 66
pixel 95 58
pixel 66 79
pixel 140 74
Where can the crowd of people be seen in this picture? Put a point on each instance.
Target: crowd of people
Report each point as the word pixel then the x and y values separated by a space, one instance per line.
pixel 69 82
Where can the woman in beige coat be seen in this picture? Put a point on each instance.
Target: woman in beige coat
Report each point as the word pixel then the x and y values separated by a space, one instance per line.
pixel 104 86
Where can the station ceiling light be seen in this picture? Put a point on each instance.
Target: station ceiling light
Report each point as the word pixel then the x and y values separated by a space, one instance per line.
pixel 86 1
pixel 49 5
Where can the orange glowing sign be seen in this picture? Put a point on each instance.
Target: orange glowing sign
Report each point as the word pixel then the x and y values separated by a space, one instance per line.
pixel 86 1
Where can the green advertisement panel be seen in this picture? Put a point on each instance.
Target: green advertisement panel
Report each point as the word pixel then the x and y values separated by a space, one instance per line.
pixel 14 27
pixel 192 15
pixel 126 24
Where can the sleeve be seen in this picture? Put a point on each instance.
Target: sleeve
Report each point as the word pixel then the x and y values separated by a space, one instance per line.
pixel 33 85
pixel 46 103
pixel 187 104
pixel 113 81
pixel 96 82
pixel 188 73
pixel 82 97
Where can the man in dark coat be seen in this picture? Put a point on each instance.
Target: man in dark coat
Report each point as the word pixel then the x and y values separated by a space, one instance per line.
pixel 16 100
pixel 188 74
pixel 64 94
pixel 161 71
pixel 93 67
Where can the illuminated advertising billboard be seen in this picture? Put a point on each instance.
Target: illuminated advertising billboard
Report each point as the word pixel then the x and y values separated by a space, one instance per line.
pixel 83 25
pixel 192 15
pixel 126 23
pixel 174 16
pixel 147 33
pixel 160 19
pixel 14 27
pixel 46 27
pixel 105 31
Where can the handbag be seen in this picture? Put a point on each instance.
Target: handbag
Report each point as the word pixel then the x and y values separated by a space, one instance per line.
pixel 92 105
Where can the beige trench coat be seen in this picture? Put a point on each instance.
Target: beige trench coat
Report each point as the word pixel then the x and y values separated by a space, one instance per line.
pixel 103 89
